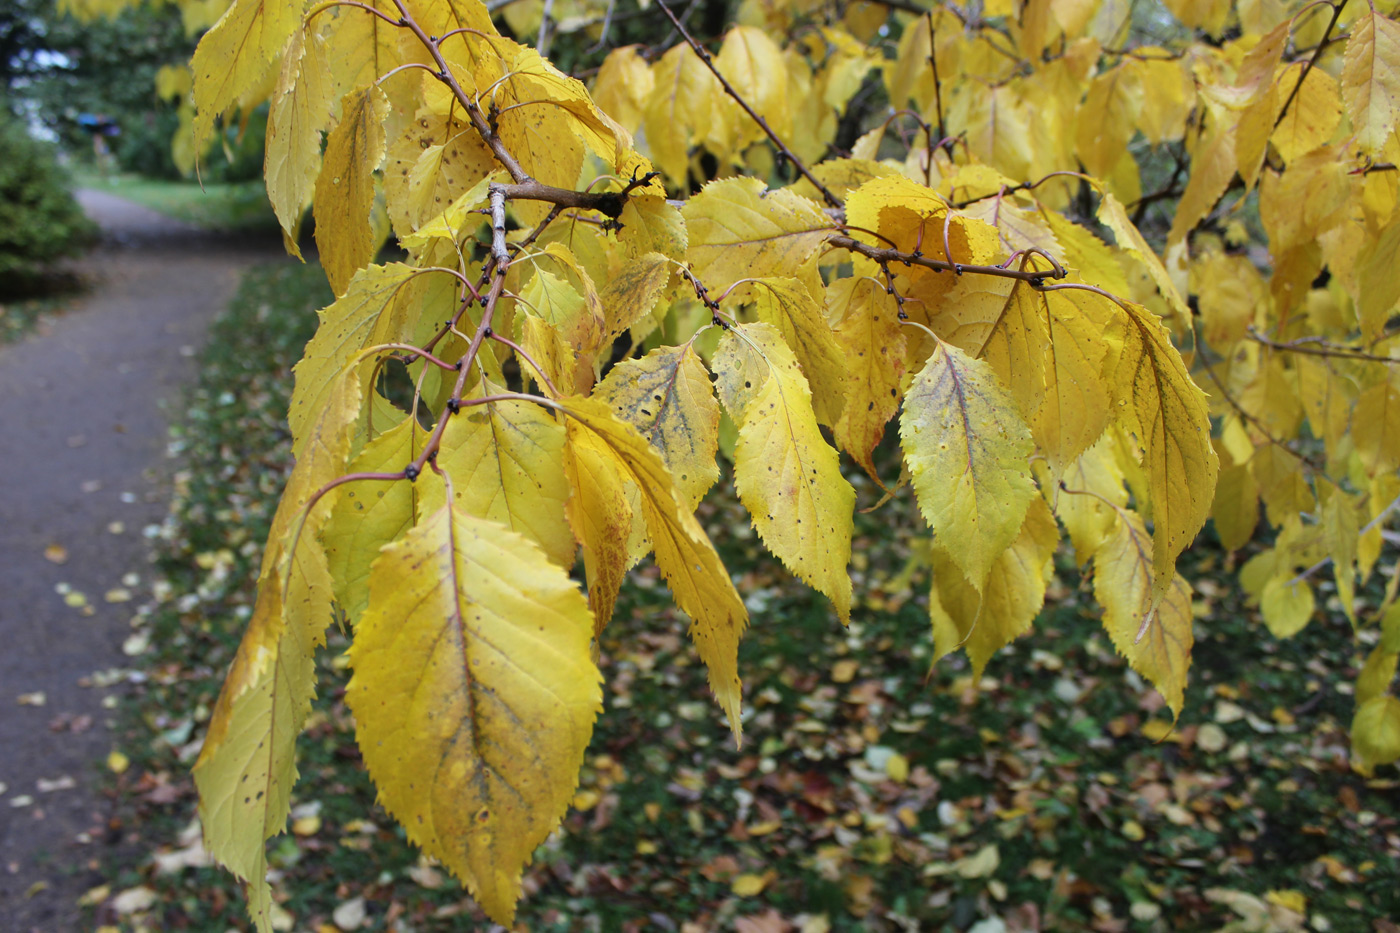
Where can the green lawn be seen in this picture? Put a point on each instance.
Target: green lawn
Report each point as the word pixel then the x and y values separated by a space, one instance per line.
pixel 240 206
pixel 873 791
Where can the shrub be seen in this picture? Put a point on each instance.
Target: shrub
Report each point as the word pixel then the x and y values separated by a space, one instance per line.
pixel 40 222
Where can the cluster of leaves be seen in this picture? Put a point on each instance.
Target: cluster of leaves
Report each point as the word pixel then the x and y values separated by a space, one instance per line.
pixel 958 283
pixel 872 795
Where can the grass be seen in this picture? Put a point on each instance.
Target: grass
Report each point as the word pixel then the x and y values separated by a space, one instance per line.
pixel 872 791
pixel 231 207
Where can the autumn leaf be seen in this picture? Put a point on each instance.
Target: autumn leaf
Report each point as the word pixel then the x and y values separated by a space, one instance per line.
pixel 1154 635
pixel 738 229
pixel 1159 403
pixel 345 186
pixel 967 451
pixel 473 657
pixel 1371 79
pixel 668 398
pixel 786 474
pixel 684 554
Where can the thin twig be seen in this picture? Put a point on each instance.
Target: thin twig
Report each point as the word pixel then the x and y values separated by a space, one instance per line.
pixel 777 141
pixel 1323 349
pixel 881 255
pixel 1312 62
pixel 524 355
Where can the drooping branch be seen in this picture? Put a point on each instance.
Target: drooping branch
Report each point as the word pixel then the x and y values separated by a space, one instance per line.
pixel 783 149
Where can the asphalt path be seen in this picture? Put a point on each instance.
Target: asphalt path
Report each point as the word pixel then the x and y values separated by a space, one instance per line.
pixel 85 405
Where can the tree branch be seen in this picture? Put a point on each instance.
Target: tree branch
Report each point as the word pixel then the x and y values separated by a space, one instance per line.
pixel 773 137
pixel 1312 62
pixel 885 256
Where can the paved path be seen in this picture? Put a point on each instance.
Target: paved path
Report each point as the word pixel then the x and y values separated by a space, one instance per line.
pixel 83 414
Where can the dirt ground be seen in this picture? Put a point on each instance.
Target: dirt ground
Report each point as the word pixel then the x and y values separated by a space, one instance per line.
pixel 83 458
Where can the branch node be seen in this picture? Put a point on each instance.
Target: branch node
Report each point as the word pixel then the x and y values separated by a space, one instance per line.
pixel 454 405
pixel 411 472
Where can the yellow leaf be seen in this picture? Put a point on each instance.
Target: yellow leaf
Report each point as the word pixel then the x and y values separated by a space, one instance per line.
pixel 1108 117
pixel 1289 900
pixel 1371 79
pixel 981 864
pixel 872 342
pixel 551 352
pixel 623 85
pixel 786 475
pixel 748 885
pixel 1378 286
pixel 842 176
pixel 1313 116
pixel 117 762
pixel 1015 348
pixel 374 309
pixel 1155 636
pixel 1310 197
pixel 1213 165
pixel 505 462
pixel 1375 428
pixel 1091 518
pixel 1167 412
pixel 1376 675
pixel 1286 607
pixel 601 516
pixel 668 398
pixel 1158 730
pixel 1073 407
pixel 1375 732
pixel 967 452
pixel 1235 509
pixel 237 55
pixel 1341 526
pixel 361 46
pixel 844 670
pixel 786 304
pixel 434 161
pixel 984 623
pixel 631 294
pixel 684 554
pixel 913 216
pixel 1093 258
pixel 1113 216
pixel 345 187
pixel 753 65
pixel 993 120
pixel 300 111
pixel 368 515
pixel 1205 14
pixel 740 230
pixel 682 100
pixel 650 224
pixel 1168 95
pixel 456 222
pixel 1281 484
pixel 474 696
